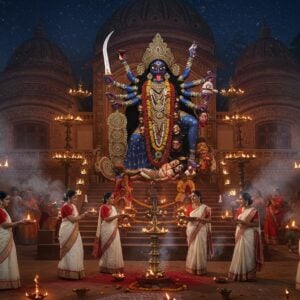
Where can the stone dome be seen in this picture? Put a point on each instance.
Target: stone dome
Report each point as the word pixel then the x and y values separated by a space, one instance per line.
pixel 265 50
pixel 38 52
pixel 168 14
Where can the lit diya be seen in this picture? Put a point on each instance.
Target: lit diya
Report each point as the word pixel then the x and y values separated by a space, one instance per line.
pixel 118 276
pixel 167 297
pixel 28 219
pixel 93 211
pixel 226 216
pixel 36 294
pixel 292 226
pixel 220 279
pixel 287 294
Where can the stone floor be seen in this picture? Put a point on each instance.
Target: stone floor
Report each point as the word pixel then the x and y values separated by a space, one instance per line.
pixel 276 276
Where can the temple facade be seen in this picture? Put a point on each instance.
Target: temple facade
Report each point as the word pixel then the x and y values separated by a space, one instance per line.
pixel 34 89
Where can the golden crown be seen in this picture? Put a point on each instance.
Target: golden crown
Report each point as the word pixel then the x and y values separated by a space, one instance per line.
pixel 158 50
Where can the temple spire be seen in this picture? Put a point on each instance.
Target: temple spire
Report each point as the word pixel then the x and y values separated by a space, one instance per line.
pixel 265 31
pixel 39 31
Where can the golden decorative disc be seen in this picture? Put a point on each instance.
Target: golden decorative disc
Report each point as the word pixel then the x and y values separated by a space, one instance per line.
pixel 117 149
pixel 117 120
pixel 106 168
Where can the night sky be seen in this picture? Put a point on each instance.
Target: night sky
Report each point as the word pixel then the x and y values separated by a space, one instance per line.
pixel 73 24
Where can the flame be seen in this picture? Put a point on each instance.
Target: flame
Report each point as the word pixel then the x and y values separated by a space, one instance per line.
pixel 28 218
pixel 232 192
pixel 293 223
pixel 36 281
pixel 287 292
pixel 151 272
pixel 226 213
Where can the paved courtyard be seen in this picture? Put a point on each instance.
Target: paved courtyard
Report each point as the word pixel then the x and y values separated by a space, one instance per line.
pixel 276 276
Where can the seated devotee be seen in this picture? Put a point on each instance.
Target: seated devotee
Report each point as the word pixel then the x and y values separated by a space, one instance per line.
pixel 198 232
pixel 70 265
pixel 107 245
pixel 9 269
pixel 247 256
pixel 123 188
pixel 168 171
pixel 275 212
pixel 185 187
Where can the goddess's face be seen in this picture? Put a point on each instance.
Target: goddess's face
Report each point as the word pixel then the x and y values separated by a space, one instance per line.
pixel 158 69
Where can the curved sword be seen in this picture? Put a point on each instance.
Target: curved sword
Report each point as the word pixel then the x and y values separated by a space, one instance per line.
pixel 105 55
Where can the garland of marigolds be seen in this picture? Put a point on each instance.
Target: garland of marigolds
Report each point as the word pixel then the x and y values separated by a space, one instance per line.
pixel 165 147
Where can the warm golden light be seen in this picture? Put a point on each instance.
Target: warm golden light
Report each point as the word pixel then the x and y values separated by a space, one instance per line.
pixel 232 92
pixel 232 192
pixel 83 172
pixel 226 216
pixel 67 155
pixel 240 155
pixel 80 181
pixel 225 172
pixel 80 93
pixel 68 118
pixel 4 164
pixel 227 181
pixel 296 165
pixel 287 293
pixel 235 118
pixel 36 294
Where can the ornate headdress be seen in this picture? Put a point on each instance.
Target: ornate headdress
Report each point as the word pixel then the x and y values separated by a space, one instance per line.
pixel 158 50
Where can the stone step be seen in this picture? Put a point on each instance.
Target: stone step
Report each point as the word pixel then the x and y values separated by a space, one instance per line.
pixel 125 240
pixel 136 251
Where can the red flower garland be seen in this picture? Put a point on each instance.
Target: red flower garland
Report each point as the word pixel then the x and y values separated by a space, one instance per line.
pixel 155 162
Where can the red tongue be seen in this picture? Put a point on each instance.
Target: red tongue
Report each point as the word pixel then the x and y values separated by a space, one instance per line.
pixel 158 77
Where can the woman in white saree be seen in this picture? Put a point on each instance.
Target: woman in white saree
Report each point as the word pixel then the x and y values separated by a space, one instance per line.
pixel 247 256
pixel 298 271
pixel 9 270
pixel 70 265
pixel 198 236
pixel 107 244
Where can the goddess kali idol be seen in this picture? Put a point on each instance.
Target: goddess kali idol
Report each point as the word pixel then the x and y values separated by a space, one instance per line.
pixel 159 107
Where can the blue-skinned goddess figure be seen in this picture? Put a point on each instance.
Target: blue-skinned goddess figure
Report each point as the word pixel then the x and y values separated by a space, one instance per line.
pixel 158 100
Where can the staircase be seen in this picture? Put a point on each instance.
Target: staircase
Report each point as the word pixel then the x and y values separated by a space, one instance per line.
pixel 136 245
